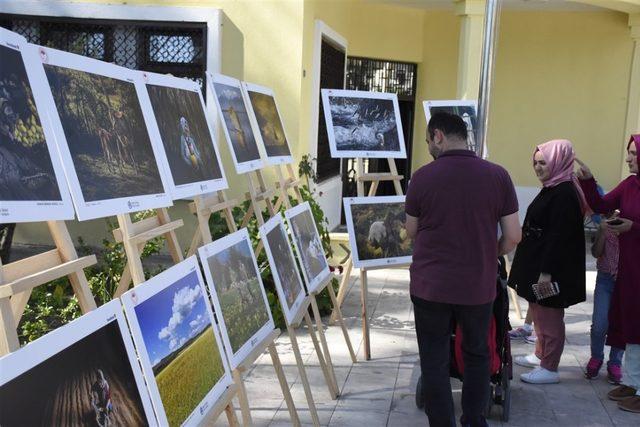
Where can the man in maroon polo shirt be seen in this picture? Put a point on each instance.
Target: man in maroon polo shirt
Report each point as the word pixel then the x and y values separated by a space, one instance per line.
pixel 454 206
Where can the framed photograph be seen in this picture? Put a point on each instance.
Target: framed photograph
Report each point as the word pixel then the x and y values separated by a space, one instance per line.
pixel 376 231
pixel 190 152
pixel 106 134
pixel 237 292
pixel 363 124
pixel 84 373
pixel 306 239
pixel 468 110
pixel 235 122
pixel 32 183
pixel 178 343
pixel 267 124
pixel 283 267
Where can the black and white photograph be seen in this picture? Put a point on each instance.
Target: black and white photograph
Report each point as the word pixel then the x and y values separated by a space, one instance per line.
pixel 268 124
pixel 237 293
pixel 108 149
pixel 306 239
pixel 377 235
pixel 85 373
pixel 190 149
pixel 467 110
pixel 32 184
pixel 229 98
pixel 283 266
pixel 363 124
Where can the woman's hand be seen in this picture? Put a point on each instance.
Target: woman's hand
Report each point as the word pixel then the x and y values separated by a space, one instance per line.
pixel 620 228
pixel 583 171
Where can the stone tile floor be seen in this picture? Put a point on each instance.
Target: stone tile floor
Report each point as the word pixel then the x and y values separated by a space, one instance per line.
pixel 380 392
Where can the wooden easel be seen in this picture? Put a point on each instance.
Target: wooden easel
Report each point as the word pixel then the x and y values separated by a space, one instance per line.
pixel 375 179
pixel 18 279
pixel 224 404
pixel 204 207
pixel 135 235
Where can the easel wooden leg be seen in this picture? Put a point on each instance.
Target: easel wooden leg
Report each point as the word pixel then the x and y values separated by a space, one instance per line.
pixel 19 304
pixel 245 410
pixel 275 359
pixel 8 328
pixel 342 290
pixel 325 348
pixel 303 376
pixel 230 412
pixel 338 311
pixel 365 314
pixel 323 363
pixel 514 301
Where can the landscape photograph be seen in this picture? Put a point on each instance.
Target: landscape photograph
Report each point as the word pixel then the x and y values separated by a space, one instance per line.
pixel 89 383
pixel 106 134
pixel 181 346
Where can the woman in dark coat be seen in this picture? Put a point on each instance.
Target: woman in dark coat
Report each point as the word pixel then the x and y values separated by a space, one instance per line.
pixel 624 313
pixel 552 250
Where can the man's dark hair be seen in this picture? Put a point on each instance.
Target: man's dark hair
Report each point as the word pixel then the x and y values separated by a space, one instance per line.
pixel 451 125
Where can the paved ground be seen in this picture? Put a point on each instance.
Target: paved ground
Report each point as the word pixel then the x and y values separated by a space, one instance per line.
pixel 380 392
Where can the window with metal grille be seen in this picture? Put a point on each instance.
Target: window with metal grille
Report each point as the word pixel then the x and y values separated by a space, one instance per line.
pixel 177 48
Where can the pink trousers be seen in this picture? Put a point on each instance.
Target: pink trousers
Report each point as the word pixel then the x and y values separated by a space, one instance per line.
pixel 549 326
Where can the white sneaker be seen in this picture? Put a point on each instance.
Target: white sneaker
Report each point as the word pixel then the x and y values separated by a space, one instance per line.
pixel 540 376
pixel 528 361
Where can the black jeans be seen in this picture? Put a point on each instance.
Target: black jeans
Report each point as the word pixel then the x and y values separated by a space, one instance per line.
pixel 434 328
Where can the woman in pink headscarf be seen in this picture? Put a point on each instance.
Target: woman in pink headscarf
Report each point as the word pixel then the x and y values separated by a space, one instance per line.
pixel 624 313
pixel 552 250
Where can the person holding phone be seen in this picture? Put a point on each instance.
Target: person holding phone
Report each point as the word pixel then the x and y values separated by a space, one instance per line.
pixel 624 321
pixel 550 260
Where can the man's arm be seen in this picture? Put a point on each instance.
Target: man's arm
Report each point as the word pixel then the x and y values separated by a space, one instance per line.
pixel 411 225
pixel 511 234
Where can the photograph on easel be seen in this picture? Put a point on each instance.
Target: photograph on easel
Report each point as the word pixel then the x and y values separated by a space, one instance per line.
pixel 283 266
pixel 376 231
pixel 107 147
pixel 235 122
pixel 190 149
pixel 84 374
pixel 467 110
pixel 32 186
pixel 306 239
pixel 237 293
pixel 363 124
pixel 178 342
pixel 268 123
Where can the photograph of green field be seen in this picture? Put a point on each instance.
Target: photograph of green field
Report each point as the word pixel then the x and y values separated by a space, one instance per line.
pixel 180 343
pixel 238 290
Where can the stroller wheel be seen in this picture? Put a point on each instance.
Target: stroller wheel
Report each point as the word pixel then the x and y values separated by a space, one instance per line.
pixel 506 390
pixel 419 395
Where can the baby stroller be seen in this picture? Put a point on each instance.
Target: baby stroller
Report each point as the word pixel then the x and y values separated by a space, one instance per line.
pixel 501 368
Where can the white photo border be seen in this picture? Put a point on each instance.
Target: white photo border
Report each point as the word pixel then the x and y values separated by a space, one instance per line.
pixel 382 262
pixel 147 290
pixel 214 248
pixel 38 351
pixel 121 205
pixel 196 188
pixel 335 153
pixel 243 167
pixel 270 160
pixel 314 284
pixel 289 312
pixel 37 210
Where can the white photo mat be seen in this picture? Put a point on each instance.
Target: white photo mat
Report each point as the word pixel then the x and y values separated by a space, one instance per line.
pixel 271 160
pixel 290 312
pixel 37 210
pixel 348 202
pixel 212 249
pixel 148 290
pixel 108 207
pixel 401 153
pixel 195 188
pixel 241 167
pixel 314 284
pixel 427 105
pixel 36 352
